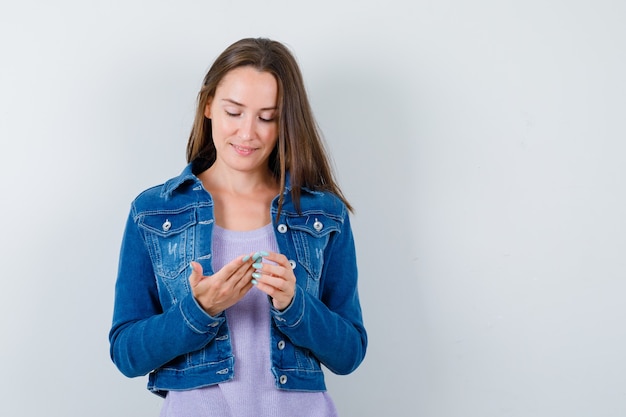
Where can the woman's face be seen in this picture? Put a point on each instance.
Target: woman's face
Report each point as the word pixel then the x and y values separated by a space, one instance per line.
pixel 244 119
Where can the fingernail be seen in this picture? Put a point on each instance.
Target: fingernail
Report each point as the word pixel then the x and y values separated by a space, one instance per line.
pixel 245 258
pixel 263 253
pixel 257 265
pixel 256 256
pixel 254 282
pixel 256 275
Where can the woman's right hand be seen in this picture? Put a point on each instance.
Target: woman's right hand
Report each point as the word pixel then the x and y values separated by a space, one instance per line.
pixel 223 289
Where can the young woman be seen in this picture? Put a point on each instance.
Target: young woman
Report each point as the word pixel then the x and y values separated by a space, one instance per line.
pixel 238 278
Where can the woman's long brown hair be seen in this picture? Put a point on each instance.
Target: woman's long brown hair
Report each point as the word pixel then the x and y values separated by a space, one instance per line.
pixel 299 149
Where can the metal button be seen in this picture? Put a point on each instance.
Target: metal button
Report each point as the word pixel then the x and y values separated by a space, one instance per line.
pixel 282 228
pixel 281 345
pixel 292 263
pixel 167 225
pixel 283 379
pixel 318 225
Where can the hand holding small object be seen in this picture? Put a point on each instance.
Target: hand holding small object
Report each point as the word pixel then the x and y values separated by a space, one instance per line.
pixel 276 279
pixel 223 289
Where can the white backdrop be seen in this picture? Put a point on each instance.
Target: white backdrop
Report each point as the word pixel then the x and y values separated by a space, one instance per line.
pixel 482 144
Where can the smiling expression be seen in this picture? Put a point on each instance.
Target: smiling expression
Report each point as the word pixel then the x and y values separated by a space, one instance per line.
pixel 244 116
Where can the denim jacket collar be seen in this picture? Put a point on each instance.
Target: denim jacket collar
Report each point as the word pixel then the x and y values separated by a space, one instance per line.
pixel 197 166
pixel 174 183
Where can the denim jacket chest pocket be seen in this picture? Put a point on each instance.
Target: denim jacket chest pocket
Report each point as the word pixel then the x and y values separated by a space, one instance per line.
pixel 310 235
pixel 169 238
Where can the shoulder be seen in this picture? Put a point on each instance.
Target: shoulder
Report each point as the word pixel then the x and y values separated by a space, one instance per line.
pixel 149 196
pixel 174 194
pixel 154 200
pixel 323 199
pixel 314 202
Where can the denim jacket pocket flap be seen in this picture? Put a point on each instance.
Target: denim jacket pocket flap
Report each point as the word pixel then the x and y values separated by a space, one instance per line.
pixel 167 224
pixel 317 225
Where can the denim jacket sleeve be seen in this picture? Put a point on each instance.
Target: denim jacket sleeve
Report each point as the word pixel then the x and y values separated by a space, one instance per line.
pixel 330 325
pixel 141 334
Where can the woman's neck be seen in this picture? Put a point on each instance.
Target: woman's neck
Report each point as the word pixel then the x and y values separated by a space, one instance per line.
pixel 241 199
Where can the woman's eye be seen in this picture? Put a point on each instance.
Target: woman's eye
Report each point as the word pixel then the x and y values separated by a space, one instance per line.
pixel 231 114
pixel 268 120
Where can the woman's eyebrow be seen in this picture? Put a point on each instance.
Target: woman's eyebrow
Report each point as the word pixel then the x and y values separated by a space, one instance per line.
pixel 236 103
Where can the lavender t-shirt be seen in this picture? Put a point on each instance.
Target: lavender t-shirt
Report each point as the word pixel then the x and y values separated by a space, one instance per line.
pixel 252 392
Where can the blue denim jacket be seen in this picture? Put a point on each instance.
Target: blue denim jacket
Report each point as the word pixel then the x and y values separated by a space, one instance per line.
pixel 159 328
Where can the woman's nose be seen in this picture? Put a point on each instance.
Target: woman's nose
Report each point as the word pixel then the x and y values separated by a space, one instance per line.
pixel 246 128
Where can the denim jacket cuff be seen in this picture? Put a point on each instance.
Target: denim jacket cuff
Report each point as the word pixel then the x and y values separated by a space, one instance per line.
pixel 197 319
pixel 293 314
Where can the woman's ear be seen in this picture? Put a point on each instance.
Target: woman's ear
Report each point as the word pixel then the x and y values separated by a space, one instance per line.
pixel 207 110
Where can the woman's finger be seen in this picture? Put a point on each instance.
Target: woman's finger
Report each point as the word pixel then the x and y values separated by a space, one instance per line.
pixel 196 273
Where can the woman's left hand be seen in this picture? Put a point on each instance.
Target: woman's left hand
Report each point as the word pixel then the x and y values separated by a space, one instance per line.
pixel 276 280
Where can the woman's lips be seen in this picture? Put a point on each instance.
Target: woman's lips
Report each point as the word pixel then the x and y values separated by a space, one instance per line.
pixel 243 150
